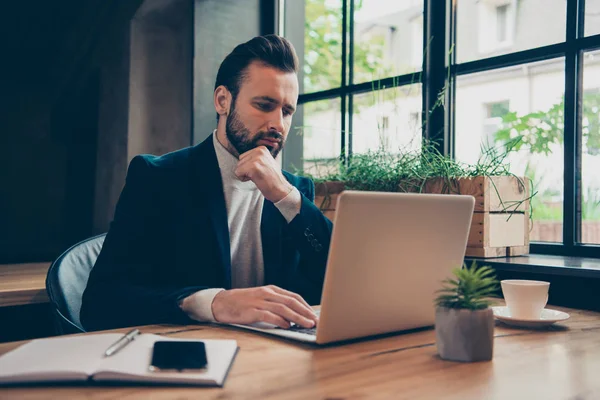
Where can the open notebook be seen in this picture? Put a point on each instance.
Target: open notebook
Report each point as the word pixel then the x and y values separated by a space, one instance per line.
pixel 80 358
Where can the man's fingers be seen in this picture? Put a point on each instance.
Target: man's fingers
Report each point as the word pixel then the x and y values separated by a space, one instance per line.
pixel 272 318
pixel 242 171
pixel 247 155
pixel 288 314
pixel 294 305
pixel 257 151
pixel 248 168
pixel 296 296
pixel 262 304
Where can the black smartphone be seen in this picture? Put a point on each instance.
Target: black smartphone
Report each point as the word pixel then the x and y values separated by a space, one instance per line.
pixel 178 356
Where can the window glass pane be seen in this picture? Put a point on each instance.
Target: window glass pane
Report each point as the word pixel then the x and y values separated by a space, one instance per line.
pixel 488 28
pixel 502 23
pixel 590 130
pixel 388 38
pixel 321 136
pixel 527 102
pixel 389 119
pixel 592 17
pixel 322 58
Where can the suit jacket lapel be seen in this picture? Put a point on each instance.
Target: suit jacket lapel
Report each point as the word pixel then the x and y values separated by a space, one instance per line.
pixel 271 230
pixel 205 168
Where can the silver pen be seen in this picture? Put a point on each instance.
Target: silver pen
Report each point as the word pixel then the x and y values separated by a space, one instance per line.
pixel 119 344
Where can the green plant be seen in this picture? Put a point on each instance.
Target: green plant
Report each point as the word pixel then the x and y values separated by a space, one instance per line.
pixel 469 290
pixel 540 129
pixel 323 48
pixel 541 132
pixel 408 170
pixel 376 169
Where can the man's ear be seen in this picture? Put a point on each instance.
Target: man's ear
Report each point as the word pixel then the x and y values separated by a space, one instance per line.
pixel 222 100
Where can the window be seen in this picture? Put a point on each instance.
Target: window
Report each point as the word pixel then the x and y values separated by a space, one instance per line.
pixel 320 136
pixel 322 61
pixel 494 112
pixel 532 96
pixel 385 123
pixel 382 38
pixel 488 28
pixel 592 17
pixel 383 119
pixel 502 23
pixel 497 109
pixel 495 25
pixel 357 94
pixel 534 90
pixel 590 142
pixel 526 69
pixel 417 42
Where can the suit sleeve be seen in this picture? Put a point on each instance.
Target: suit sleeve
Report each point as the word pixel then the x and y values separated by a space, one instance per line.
pixel 311 232
pixel 123 288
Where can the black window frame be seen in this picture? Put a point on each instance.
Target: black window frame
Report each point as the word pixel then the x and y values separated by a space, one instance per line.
pixel 348 88
pixel 572 50
pixel 439 74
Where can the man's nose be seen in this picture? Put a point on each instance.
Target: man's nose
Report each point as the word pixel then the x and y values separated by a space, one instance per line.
pixel 276 121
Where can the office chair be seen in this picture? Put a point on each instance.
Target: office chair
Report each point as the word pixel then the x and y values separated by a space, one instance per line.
pixel 66 281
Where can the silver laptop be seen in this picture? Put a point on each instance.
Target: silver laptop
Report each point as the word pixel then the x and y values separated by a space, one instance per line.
pixel 389 253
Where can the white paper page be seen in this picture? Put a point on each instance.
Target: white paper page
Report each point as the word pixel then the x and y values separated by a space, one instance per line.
pixel 55 359
pixel 131 363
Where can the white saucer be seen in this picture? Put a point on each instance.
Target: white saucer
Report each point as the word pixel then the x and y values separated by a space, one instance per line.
pixel 548 317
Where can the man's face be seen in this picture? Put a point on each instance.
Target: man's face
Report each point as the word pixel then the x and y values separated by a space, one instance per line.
pixel 261 115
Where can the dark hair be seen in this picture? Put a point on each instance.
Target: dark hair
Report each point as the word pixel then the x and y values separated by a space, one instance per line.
pixel 271 50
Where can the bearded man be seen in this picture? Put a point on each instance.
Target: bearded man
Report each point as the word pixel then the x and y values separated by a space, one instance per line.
pixel 218 232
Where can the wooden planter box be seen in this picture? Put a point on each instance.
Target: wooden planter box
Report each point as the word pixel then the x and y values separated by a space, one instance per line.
pixel 500 224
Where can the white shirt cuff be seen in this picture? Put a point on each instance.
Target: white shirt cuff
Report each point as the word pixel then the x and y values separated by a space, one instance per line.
pixel 200 307
pixel 289 206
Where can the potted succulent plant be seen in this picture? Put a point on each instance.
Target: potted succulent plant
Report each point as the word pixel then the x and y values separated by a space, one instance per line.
pixel 464 322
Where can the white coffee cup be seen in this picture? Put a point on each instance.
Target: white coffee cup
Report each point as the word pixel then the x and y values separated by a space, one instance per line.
pixel 525 299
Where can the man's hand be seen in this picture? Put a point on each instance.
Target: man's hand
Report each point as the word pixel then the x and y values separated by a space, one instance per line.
pixel 269 304
pixel 259 166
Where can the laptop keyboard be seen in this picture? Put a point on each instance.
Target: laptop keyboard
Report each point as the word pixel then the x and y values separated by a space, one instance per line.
pixel 308 331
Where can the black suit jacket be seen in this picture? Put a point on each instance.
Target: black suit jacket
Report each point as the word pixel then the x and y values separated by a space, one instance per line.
pixel 170 238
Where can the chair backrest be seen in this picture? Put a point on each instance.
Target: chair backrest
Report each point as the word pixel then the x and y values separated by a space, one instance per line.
pixel 67 279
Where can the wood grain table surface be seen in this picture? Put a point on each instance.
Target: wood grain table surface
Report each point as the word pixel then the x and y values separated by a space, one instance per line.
pixel 559 362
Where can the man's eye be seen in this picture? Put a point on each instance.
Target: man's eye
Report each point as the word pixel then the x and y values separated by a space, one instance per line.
pixel 264 106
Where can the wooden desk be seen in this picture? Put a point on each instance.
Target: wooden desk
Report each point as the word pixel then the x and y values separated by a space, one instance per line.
pixel 22 284
pixel 558 363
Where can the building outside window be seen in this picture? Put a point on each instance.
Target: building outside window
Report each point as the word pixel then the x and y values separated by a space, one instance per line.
pixel 496 21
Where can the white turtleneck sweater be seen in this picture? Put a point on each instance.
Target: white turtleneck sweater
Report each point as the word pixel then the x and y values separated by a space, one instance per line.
pixel 244 204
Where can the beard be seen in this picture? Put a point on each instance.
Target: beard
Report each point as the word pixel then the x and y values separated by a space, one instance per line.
pixel 242 140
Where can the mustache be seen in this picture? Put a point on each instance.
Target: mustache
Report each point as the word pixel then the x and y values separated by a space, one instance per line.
pixel 270 135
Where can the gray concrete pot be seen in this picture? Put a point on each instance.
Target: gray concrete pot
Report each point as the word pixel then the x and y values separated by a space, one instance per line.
pixel 464 335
